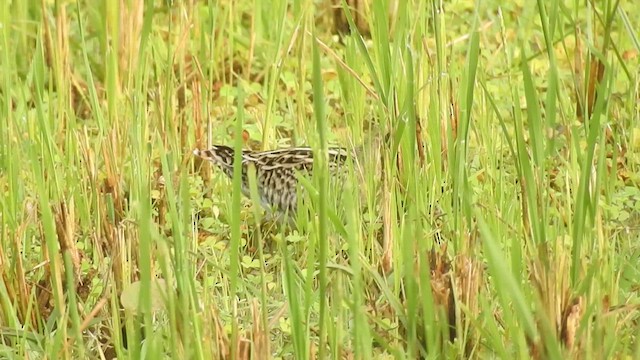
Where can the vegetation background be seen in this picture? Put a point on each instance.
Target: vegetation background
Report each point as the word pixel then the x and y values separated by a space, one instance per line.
pixel 500 217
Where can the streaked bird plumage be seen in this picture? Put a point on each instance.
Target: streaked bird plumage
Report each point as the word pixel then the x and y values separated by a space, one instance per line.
pixel 276 171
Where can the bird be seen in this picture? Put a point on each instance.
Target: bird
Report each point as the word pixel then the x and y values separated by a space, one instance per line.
pixel 276 171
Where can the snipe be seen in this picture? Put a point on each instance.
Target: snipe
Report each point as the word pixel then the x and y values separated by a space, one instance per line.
pixel 276 171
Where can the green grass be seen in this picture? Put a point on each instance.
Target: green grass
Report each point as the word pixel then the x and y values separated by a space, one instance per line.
pixel 499 218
